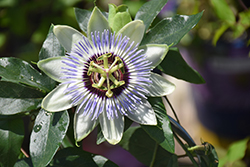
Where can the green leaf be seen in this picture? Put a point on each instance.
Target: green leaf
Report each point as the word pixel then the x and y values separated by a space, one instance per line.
pixel 170 30
pixel 51 46
pixel 19 71
pixel 237 150
pixel 47 135
pixel 78 157
pixel 223 11
pixel 8 3
pixel 175 65
pixel 162 133
pixel 145 149
pixel 219 32
pixel 82 18
pixel 25 162
pixel 11 135
pixel 149 11
pixel 16 98
pixel 242 24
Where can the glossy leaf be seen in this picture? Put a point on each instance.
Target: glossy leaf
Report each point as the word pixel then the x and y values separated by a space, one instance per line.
pixel 16 98
pixel 47 135
pixel 162 133
pixel 11 135
pixel 145 149
pixel 82 18
pixel 149 11
pixel 51 46
pixel 19 71
pixel 25 162
pixel 170 30
pixel 175 65
pixel 78 157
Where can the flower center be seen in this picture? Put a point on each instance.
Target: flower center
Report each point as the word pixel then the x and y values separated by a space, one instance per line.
pixel 106 73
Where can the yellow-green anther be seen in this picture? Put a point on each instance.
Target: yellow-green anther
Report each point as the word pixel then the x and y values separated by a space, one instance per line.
pixel 92 69
pixel 117 83
pixel 101 81
pixel 116 59
pixel 109 93
pixel 116 67
pixel 105 61
pixel 95 65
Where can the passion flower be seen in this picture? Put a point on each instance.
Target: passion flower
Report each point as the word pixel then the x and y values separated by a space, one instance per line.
pixel 107 75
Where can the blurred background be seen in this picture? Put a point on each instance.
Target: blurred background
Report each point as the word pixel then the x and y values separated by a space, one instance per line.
pixel 218 48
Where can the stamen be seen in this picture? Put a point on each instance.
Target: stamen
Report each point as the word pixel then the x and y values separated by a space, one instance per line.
pixel 100 71
pixel 109 93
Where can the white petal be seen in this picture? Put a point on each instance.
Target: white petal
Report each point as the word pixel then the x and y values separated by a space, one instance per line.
pixel 160 86
pixel 97 22
pixel 155 53
pixel 67 36
pixel 52 67
pixel 56 100
pixel 112 129
pixel 83 124
pixel 134 30
pixel 143 114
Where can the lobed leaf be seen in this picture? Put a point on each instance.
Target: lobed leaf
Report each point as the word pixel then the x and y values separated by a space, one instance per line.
pixel 175 65
pixel 149 11
pixel 11 135
pixel 170 30
pixel 16 98
pixel 47 135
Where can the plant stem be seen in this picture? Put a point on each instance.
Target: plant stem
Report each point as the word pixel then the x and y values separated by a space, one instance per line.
pixel 182 156
pixel 154 155
pixel 24 152
pixel 170 105
pixel 243 5
pixel 186 150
